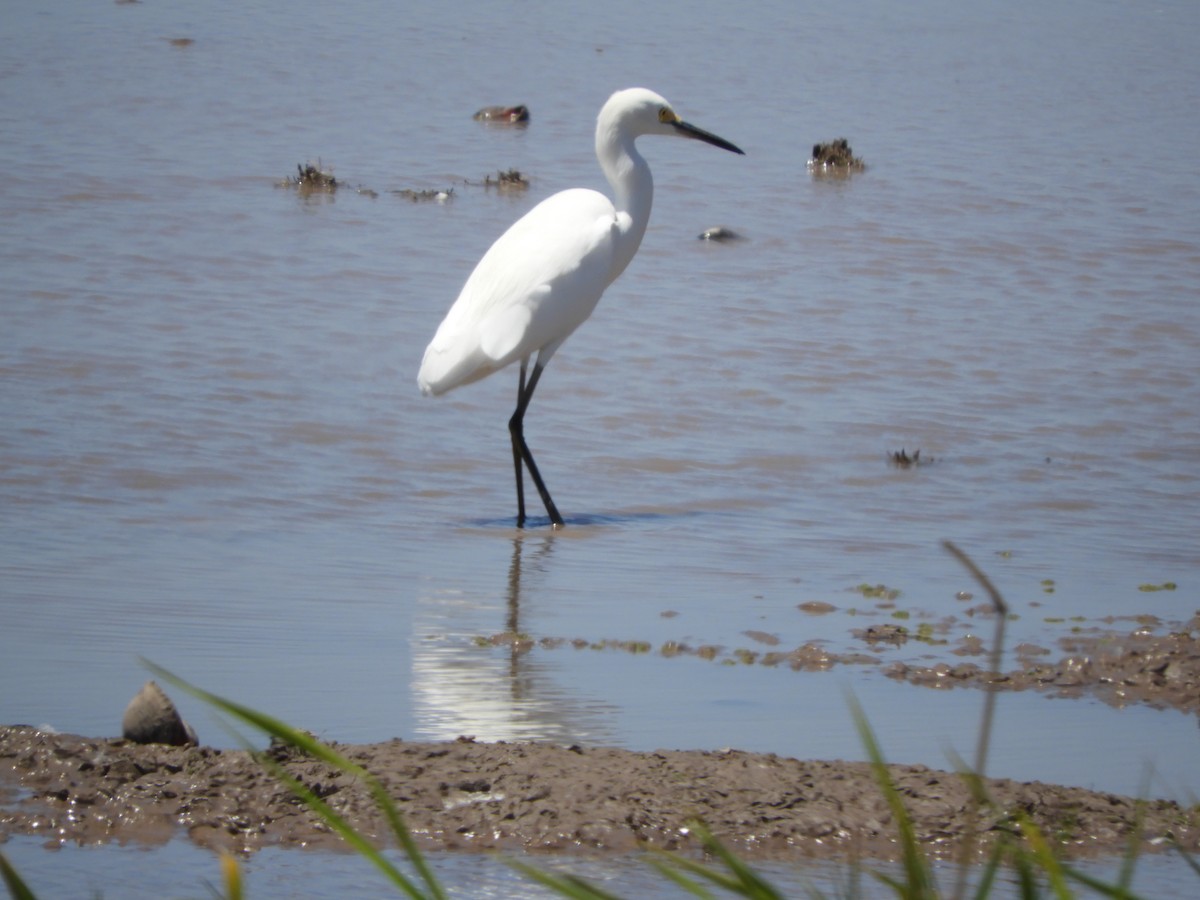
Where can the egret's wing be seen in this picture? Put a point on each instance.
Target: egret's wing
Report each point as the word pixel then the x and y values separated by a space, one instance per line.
pixel 535 286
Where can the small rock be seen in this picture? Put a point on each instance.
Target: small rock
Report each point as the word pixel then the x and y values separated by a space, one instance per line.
pixel 719 233
pixel 151 718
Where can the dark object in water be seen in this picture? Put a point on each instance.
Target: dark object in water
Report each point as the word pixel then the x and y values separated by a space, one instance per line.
pixel 311 178
pixel 903 460
pixel 512 180
pixel 719 233
pixel 151 718
pixel 509 115
pixel 835 155
pixel 435 194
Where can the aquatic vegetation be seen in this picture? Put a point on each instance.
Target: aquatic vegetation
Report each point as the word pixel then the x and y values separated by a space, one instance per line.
pixel 876 591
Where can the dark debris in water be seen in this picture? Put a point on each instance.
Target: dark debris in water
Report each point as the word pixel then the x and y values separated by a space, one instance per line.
pixel 720 234
pixel 835 156
pixel 437 195
pixel 901 459
pixel 883 634
pixel 503 115
pixel 512 180
pixel 311 178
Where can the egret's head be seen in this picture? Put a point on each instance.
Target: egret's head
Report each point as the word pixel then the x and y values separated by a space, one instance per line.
pixel 637 111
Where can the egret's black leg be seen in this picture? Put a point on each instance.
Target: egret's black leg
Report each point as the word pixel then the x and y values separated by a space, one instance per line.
pixel 515 429
pixel 522 454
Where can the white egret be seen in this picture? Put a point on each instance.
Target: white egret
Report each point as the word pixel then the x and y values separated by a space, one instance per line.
pixel 543 277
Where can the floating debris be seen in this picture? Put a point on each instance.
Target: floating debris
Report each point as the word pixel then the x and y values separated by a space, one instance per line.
pixel 438 196
pixel 902 460
pixel 887 634
pixel 181 42
pixel 816 607
pixel 719 233
pixel 835 156
pixel 512 180
pixel 151 718
pixel 876 591
pixel 503 115
pixel 311 178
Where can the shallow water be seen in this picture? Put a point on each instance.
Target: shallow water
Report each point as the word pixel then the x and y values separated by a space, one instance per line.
pixel 181 869
pixel 214 454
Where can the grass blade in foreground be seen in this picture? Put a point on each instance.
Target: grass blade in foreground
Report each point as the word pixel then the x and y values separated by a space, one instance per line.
pixel 314 748
pixel 742 880
pixel 17 888
pixel 565 885
pixel 231 873
pixel 920 882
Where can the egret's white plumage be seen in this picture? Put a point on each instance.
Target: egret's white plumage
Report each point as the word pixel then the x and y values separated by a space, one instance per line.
pixel 543 277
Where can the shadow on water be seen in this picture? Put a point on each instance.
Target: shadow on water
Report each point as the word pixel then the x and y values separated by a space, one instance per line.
pixel 537 525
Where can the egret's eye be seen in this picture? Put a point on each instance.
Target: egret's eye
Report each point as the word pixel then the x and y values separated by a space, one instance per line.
pixel 666 116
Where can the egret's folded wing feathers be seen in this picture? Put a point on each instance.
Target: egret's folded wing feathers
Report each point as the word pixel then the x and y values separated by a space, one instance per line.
pixel 538 282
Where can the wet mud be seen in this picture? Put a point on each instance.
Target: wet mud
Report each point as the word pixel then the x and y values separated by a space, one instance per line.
pixel 1162 671
pixel 466 795
pixel 1121 668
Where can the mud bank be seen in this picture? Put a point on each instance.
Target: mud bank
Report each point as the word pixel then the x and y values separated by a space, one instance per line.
pixel 466 795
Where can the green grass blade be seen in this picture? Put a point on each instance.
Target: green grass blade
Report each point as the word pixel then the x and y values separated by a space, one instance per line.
pixel 1045 858
pixel 17 889
pixel 354 838
pixel 231 872
pixel 750 883
pixel 1187 857
pixel 565 885
pixel 720 879
pixel 920 881
pixel 666 867
pixel 1116 891
pixel 983 890
pixel 312 747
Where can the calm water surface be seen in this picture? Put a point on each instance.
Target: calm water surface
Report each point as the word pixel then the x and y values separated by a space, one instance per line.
pixel 214 455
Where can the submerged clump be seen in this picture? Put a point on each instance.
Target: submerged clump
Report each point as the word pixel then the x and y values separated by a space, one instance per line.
pixel 311 178
pixel 512 180
pixel 836 156
pixel 424 196
pixel 902 460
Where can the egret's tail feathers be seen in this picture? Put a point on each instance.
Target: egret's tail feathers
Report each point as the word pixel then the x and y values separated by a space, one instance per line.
pixel 444 369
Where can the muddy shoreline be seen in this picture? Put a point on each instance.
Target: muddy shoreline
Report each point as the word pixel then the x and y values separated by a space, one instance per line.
pixel 467 795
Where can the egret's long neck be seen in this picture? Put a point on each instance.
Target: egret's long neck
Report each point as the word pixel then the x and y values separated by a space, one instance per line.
pixel 633 191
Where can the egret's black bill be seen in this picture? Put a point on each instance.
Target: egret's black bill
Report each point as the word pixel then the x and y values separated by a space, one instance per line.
pixel 700 134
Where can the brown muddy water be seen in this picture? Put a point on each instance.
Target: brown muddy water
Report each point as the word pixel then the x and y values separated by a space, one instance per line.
pixel 214 454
